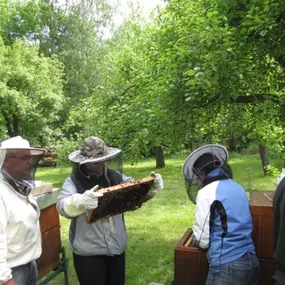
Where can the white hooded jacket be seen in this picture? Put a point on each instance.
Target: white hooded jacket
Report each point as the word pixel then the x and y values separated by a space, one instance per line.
pixel 20 237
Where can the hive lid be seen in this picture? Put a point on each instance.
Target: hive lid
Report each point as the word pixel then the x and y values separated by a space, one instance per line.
pixel 41 188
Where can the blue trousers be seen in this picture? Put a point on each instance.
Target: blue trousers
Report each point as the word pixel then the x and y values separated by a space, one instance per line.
pixel 243 271
pixel 26 274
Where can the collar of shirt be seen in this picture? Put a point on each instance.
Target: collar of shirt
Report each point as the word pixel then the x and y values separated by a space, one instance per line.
pixel 21 187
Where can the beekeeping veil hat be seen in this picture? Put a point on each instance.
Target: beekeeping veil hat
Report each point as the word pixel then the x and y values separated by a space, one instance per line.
pixel 205 158
pixel 93 150
pixel 18 143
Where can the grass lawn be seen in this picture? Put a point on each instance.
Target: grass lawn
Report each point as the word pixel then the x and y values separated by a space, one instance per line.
pixel 155 229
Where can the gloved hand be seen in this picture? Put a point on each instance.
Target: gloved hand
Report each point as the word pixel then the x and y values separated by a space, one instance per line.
pixel 77 203
pixel 156 186
pixel 280 177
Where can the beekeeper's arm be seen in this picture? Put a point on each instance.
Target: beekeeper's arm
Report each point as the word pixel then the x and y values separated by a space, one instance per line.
pixel 201 227
pixel 156 186
pixel 71 204
pixel 5 270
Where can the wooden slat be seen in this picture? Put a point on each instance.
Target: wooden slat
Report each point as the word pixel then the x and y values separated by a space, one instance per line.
pixel 185 237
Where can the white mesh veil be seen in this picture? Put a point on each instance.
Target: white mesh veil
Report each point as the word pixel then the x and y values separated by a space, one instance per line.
pixel 217 154
pixel 17 144
pixel 2 157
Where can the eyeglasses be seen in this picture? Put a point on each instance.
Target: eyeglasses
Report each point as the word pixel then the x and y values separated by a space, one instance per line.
pixel 23 158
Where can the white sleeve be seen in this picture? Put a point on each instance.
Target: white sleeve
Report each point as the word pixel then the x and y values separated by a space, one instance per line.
pixel 201 227
pixel 68 189
pixel 5 271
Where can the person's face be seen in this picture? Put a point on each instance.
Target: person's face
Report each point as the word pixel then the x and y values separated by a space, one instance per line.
pixel 96 168
pixel 18 163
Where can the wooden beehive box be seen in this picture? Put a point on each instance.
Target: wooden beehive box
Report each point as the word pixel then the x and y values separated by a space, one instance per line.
pixel 51 242
pixel 190 262
pixel 118 199
pixel 262 215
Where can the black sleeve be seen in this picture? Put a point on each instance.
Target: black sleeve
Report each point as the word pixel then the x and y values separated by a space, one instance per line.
pixel 279 223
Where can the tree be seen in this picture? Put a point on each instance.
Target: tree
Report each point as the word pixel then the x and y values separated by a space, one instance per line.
pixel 129 104
pixel 31 91
pixel 206 58
pixel 72 31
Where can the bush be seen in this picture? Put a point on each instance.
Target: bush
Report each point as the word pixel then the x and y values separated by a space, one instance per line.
pixel 271 170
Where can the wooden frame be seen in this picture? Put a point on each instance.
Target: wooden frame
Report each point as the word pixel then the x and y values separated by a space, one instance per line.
pixel 120 198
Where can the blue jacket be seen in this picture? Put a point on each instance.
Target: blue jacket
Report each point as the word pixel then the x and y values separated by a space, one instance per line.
pixel 223 221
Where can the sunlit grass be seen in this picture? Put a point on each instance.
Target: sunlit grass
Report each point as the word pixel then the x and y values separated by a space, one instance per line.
pixel 155 229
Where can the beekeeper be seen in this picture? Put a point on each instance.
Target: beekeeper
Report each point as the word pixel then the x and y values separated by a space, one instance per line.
pixel 223 223
pixel 20 237
pixel 98 248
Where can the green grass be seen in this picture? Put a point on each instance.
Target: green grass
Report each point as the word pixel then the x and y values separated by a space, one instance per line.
pixel 155 229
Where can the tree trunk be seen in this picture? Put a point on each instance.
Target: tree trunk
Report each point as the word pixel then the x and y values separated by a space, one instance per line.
pixel 263 151
pixel 159 157
pixel 189 146
pixel 232 143
pixel 15 125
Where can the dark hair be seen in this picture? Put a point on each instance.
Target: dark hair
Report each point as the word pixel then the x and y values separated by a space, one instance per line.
pixel 206 162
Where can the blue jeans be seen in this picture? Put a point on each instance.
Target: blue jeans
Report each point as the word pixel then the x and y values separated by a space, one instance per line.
pixel 26 274
pixel 243 271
